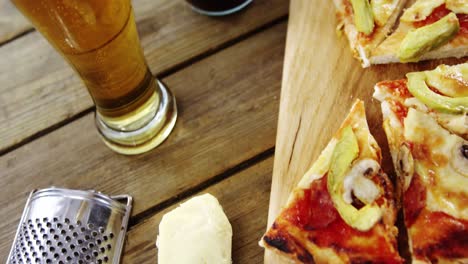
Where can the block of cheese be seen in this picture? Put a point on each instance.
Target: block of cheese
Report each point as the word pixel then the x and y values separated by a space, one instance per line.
pixel 196 232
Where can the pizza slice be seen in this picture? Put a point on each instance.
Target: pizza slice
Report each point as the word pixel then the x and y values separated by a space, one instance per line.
pixel 426 122
pixel 428 29
pixel 342 210
pixel 367 23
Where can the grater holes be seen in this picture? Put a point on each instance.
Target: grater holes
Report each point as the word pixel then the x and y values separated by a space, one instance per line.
pixel 48 225
pixel 56 255
pixel 76 254
pixel 52 231
pixel 72 246
pixel 87 257
pixel 69 258
pixel 56 237
pixel 63 232
pixel 52 249
pixel 105 238
pixel 75 234
pixel 109 247
pixel 71 227
pixel 64 251
pixel 105 259
pixel 67 221
pixel 87 237
pixel 94 234
pixel 111 235
pixel 67 238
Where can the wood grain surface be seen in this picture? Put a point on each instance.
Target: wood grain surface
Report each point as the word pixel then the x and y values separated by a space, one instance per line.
pixel 228 106
pixel 12 23
pixel 39 90
pixel 244 198
pixel 321 80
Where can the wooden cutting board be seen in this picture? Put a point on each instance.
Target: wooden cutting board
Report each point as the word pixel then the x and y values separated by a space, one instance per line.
pixel 321 80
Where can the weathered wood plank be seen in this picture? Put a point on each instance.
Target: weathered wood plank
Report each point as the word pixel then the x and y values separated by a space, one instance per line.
pixel 244 198
pixel 228 107
pixel 12 23
pixel 39 90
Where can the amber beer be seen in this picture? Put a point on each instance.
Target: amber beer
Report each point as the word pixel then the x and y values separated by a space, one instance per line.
pixel 99 40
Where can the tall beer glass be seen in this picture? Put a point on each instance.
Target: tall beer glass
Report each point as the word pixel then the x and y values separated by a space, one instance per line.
pixel 98 38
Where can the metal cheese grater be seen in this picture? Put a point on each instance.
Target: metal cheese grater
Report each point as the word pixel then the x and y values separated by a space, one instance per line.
pixel 71 226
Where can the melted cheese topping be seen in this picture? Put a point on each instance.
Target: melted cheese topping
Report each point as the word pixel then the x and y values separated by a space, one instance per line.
pixel 320 167
pixel 446 188
pixel 420 10
pixel 382 10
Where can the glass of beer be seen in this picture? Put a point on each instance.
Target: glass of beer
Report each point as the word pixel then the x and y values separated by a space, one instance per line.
pixel 218 7
pixel 99 39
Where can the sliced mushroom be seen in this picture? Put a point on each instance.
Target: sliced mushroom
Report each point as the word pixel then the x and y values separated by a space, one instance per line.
pixel 460 158
pixel 405 166
pixel 357 182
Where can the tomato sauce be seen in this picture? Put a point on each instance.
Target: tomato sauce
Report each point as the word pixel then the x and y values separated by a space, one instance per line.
pixel 439 13
pixel 397 87
pixel 400 110
pixel 436 234
pixel 316 214
pixel 414 200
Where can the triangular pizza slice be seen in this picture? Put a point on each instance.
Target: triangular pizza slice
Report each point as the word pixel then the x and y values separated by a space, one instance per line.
pixel 367 23
pixel 426 122
pixel 428 29
pixel 343 209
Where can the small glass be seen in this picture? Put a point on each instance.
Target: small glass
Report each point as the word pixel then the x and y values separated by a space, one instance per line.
pixel 218 7
pixel 99 39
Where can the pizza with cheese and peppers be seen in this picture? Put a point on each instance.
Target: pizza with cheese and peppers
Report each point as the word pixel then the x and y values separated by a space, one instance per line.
pixel 426 122
pixel 427 29
pixel 343 209
pixel 367 23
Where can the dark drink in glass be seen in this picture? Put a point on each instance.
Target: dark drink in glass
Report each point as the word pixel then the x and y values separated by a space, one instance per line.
pixel 218 7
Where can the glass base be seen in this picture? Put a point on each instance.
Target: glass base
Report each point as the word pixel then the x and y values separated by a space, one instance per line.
pixel 221 13
pixel 144 129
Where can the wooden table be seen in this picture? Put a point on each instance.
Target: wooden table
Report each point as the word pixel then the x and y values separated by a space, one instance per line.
pixel 226 75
